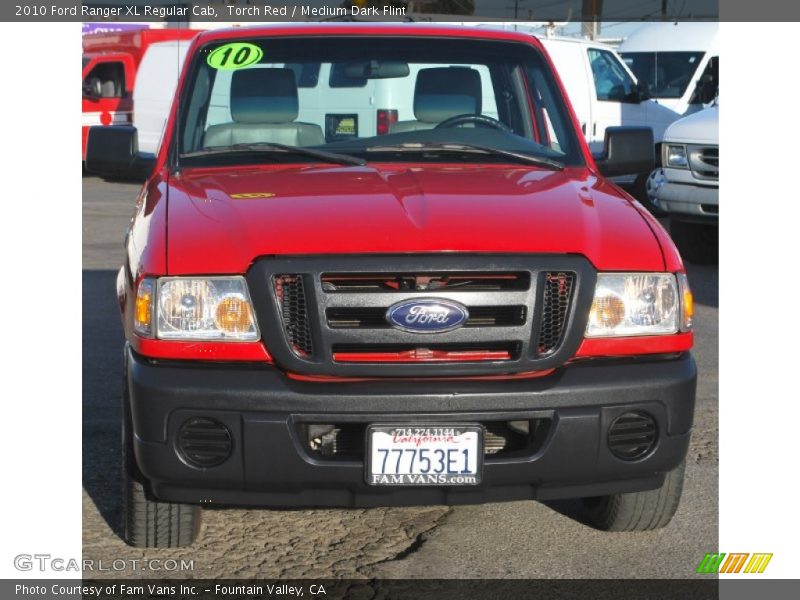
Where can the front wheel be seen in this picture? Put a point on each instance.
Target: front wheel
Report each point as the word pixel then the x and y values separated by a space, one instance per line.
pixel 148 523
pixel 638 511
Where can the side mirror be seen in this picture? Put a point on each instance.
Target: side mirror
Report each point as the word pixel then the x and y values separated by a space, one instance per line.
pixel 113 153
pixel 627 151
pixel 643 91
pixel 93 88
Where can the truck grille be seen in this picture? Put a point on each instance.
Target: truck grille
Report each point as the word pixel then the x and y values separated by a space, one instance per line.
pixel 522 313
pixel 294 313
pixel 556 296
pixel 346 441
pixel 704 161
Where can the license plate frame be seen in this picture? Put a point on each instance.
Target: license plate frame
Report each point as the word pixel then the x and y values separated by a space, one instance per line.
pixel 404 479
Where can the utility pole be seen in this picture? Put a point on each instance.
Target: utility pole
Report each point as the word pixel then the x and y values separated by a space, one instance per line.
pixel 591 15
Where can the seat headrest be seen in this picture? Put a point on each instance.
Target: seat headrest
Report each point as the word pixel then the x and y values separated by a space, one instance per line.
pixel 264 96
pixel 444 92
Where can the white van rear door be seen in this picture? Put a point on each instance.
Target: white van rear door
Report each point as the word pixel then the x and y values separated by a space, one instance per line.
pixel 571 66
pixel 155 86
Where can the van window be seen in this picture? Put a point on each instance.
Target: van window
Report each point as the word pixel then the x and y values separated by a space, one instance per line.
pixel 611 80
pixel 707 86
pixel 306 74
pixel 667 74
pixel 340 79
pixel 112 79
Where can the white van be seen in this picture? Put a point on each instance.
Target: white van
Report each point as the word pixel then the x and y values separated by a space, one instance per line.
pixel 603 91
pixel 679 62
pixel 156 81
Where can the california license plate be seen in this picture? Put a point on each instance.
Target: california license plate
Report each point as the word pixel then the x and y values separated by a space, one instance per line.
pixel 424 455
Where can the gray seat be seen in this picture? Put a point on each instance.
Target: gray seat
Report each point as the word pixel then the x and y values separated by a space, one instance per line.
pixel 264 107
pixel 441 93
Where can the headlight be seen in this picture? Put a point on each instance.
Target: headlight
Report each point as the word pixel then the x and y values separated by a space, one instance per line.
pixel 675 156
pixel 194 308
pixel 634 304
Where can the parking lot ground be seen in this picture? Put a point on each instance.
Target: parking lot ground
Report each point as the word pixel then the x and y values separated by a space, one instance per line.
pixel 517 539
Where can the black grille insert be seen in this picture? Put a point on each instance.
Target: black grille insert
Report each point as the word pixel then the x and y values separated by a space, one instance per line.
pixel 556 295
pixel 375 317
pixel 204 442
pixel 424 282
pixel 632 435
pixel 294 313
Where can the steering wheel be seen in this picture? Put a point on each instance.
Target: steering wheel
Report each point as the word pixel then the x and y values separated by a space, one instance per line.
pixel 477 119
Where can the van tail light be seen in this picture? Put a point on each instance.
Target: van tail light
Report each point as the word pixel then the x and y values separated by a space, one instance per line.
pixel 385 119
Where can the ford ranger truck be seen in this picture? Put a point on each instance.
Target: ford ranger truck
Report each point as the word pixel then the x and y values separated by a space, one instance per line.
pixel 458 309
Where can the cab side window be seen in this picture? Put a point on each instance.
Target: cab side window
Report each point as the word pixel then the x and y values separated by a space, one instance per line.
pixel 707 87
pixel 611 81
pixel 108 79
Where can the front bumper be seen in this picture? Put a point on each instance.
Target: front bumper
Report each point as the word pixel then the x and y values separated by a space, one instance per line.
pixel 692 200
pixel 272 465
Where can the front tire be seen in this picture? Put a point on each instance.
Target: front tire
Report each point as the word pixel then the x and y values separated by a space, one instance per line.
pixel 152 524
pixel 148 523
pixel 638 511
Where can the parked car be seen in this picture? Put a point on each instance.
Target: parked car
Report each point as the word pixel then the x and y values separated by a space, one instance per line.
pixel 110 65
pixel 679 64
pixel 460 310
pixel 690 193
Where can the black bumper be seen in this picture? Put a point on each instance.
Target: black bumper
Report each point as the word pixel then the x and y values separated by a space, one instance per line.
pixel 272 465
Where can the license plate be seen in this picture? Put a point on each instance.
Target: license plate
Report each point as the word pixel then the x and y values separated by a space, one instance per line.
pixel 441 455
pixel 341 127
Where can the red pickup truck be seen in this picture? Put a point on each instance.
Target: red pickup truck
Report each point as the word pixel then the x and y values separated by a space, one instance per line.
pixel 459 309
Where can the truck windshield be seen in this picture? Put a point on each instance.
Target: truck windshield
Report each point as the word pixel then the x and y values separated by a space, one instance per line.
pixel 666 73
pixel 377 98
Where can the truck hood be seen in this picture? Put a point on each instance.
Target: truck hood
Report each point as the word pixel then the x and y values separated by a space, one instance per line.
pixel 220 220
pixel 698 128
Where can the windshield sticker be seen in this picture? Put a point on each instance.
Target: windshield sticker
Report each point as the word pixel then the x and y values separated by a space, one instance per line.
pixel 234 56
pixel 252 195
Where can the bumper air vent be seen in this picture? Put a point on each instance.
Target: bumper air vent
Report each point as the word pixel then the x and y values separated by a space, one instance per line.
pixel 204 442
pixel 632 435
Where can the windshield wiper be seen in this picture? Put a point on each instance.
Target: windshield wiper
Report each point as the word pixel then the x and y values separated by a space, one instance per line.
pixel 469 149
pixel 266 147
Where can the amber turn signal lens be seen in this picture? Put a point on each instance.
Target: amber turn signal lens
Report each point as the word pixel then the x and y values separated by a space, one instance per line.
pixel 608 311
pixel 143 308
pixel 687 319
pixel 233 315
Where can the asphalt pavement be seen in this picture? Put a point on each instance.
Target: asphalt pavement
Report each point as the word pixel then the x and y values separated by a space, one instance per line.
pixel 518 539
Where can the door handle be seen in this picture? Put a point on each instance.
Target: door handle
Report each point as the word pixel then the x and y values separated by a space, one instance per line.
pixel 583 128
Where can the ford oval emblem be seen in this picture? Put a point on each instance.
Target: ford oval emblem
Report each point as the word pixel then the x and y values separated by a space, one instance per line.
pixel 427 315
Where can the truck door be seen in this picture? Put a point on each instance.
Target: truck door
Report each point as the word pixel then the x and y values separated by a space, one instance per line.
pixel 616 100
pixel 107 87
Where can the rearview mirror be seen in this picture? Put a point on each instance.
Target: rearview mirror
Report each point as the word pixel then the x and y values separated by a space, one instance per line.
pixel 377 69
pixel 113 153
pixel 627 151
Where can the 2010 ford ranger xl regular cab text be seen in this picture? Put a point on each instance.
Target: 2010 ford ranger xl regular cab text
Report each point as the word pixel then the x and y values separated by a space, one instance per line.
pixel 456 308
